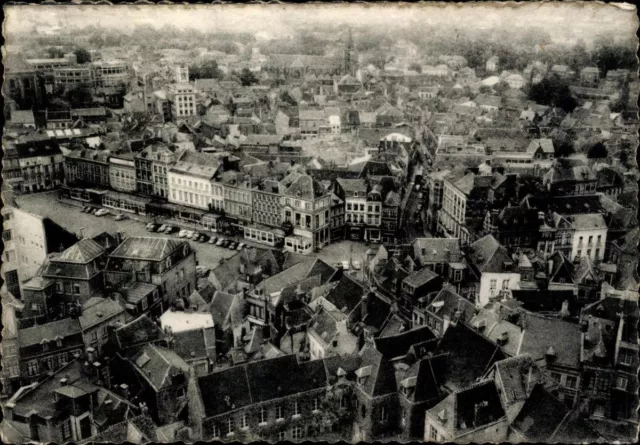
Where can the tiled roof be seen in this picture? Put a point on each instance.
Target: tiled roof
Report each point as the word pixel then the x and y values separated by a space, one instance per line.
pixel 421 277
pixel 542 333
pixel 353 185
pixel 399 344
pixel 82 252
pixel 194 344
pixel 488 255
pixel 52 331
pixel 303 186
pixel 138 332
pixel 451 303
pixel 147 248
pixel 244 385
pixel 221 304
pixel 381 379
pixel 470 355
pixel 346 295
pixel 157 364
pixel 93 312
pixel 545 144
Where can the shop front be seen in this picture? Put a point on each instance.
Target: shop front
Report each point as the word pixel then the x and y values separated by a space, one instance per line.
pixel 125 202
pixel 298 244
pixel 264 235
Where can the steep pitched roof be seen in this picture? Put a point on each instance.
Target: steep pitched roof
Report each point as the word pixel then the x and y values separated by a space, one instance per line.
pixel 303 186
pixel 399 344
pixel 138 332
pixel 82 252
pixel 98 309
pixel 488 255
pixel 381 374
pixel 542 333
pixel 346 295
pixel 157 365
pixel 147 248
pixel 48 332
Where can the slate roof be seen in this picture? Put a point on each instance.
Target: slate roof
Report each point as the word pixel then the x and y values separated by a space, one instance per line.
pixel 542 333
pixel 488 255
pixel 399 344
pixel 156 364
pixel 51 331
pixel 427 376
pixel 381 379
pixel 221 305
pixel 566 172
pixel 437 250
pixel 98 309
pixel 545 144
pixel 543 416
pixel 587 221
pixel 469 355
pixel 514 380
pixel 346 295
pixel 147 248
pixel 138 332
pixel 353 185
pixel 421 277
pixel 461 408
pixel 194 344
pixel 259 381
pixel 302 186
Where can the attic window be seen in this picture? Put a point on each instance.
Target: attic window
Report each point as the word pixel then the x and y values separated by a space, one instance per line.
pixel 442 415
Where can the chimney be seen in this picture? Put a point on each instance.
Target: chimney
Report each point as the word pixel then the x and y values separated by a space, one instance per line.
pixel 564 312
pixel 364 306
pixel 91 354
pixel 529 380
pixel 64 381
pixel 124 390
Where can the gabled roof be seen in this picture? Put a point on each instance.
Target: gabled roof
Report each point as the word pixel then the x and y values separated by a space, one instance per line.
pixel 447 304
pixel 158 365
pixel 542 333
pixel 98 309
pixel 346 295
pixel 421 277
pixel 469 355
pixel 244 385
pixel 147 248
pixel 398 345
pixel 488 255
pixel 82 252
pixel 221 307
pixel 437 250
pixel 303 186
pixel 194 344
pixel 381 374
pixel 545 144
pixel 138 332
pixel 48 332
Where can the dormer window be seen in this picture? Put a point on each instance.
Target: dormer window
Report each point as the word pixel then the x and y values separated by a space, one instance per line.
pixel 168 263
pixel 362 374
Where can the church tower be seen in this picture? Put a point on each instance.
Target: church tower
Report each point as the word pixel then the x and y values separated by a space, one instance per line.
pixel 350 62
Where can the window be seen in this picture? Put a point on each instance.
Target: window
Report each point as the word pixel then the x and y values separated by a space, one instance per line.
pixel 263 415
pixel 66 429
pixel 6 235
pixel 32 367
pixel 403 419
pixel 493 284
pixel 626 357
pixel 384 415
pixel 315 404
pixel 244 422
pixel 281 435
pixel 229 426
pixel 571 382
pixel 59 287
pixel 279 415
pixel 216 430
pixel 433 434
pixel 296 409
pixel 343 401
pixel 505 284
pixel 296 433
pixel 76 289
pixel 556 376
pixel 621 383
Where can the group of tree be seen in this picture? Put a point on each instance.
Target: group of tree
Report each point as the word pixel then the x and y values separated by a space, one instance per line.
pixel 207 69
pixel 553 91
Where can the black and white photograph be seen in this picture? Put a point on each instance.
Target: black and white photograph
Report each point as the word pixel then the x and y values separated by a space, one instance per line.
pixel 322 222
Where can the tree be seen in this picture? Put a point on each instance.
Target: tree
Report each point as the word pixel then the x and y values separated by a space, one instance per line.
pixel 597 151
pixel 79 95
pixel 82 55
pixel 501 87
pixel 247 77
pixel 553 91
pixel 55 53
pixel 416 67
pixel 206 70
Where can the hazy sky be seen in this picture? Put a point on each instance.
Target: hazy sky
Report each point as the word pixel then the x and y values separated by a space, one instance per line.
pixel 581 18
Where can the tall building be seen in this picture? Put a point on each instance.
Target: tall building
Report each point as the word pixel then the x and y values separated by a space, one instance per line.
pixel 350 58
pixel 181 74
pixel 183 101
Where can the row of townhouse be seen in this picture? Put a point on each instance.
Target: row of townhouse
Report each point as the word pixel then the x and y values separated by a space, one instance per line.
pixel 297 212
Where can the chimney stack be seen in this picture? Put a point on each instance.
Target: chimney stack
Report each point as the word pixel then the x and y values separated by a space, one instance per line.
pixel 364 306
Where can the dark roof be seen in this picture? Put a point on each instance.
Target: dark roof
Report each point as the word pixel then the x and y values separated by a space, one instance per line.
pixel 244 384
pixel 303 186
pixel 469 355
pixel 542 333
pixel 35 148
pixel 221 304
pixel 138 332
pixel 543 416
pixel 82 252
pixel 421 277
pixel 381 379
pixel 429 375
pixel 488 255
pixel 399 345
pixel 194 344
pixel 52 331
pixel 346 295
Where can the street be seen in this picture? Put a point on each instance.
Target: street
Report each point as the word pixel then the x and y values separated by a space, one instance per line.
pixel 74 220
pixel 82 224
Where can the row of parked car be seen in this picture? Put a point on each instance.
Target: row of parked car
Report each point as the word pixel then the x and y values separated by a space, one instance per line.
pixel 102 212
pixel 193 235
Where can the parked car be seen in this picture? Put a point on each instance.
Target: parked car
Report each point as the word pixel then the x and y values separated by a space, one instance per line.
pixel 162 228
pixel 102 212
pixel 182 233
pixel 241 246
pixel 232 245
pixel 220 242
pixel 94 210
pixel 213 240
pixel 226 243
pixel 203 238
pixel 169 229
pixel 189 234
pixel 120 216
pixel 85 209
